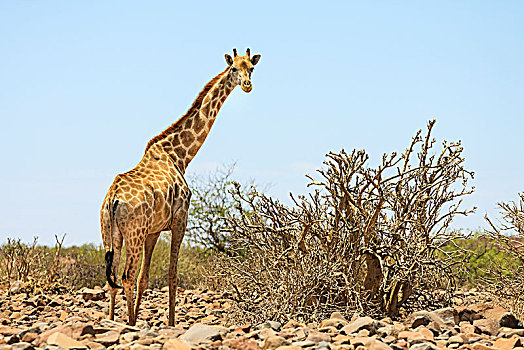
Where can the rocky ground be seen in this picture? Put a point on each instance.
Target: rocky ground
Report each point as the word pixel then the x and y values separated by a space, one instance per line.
pixel 79 321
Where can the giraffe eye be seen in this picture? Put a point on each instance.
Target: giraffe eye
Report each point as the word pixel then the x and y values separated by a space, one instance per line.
pixel 233 69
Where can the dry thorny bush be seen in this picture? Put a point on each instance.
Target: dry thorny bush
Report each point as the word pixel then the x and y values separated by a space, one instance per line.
pixel 364 239
pixel 37 267
pixel 507 281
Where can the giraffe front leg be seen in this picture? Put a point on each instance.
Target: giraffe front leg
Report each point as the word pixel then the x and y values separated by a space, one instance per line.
pixel 143 278
pixel 177 233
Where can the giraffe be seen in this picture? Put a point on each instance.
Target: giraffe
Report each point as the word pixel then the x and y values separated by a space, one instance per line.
pixel 154 196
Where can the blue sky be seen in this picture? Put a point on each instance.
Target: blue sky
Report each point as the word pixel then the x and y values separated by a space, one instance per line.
pixel 84 86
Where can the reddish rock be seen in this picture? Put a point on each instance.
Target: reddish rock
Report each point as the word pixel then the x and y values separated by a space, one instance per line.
pixel 358 324
pixel 63 341
pixel 174 344
pixel 487 326
pixel 108 338
pixel 244 344
pixel 318 337
pixel 29 337
pixel 7 331
pixel 274 342
pixel 507 344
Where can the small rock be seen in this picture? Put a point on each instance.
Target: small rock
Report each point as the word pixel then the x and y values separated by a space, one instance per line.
pixel 274 342
pixel 12 339
pixel 29 337
pixel 244 344
pixel 456 339
pixel 108 338
pixel 323 346
pixel 304 343
pixel 199 333
pixel 6 330
pixel 92 294
pixel 291 324
pixel 424 318
pixel 334 322
pixel 16 287
pixel 22 346
pixel 448 315
pixel 506 344
pixel 276 326
pixel 174 344
pixel 423 346
pixel 64 341
pixel 358 324
pixel 487 326
pixel 266 333
pixel 317 337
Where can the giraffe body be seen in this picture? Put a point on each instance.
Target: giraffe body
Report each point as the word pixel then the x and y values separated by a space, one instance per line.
pixel 154 196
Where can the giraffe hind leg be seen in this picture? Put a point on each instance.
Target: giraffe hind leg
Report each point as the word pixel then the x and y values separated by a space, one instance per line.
pixel 143 279
pixel 129 279
pixel 116 262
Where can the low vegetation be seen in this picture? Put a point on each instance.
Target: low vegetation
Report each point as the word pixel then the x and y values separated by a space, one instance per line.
pixel 375 239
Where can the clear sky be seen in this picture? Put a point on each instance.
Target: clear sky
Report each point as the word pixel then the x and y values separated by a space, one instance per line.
pixel 85 84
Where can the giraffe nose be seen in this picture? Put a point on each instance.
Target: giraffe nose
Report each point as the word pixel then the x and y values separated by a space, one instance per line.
pixel 247 83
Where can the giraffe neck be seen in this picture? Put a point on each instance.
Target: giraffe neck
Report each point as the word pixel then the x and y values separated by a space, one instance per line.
pixel 183 139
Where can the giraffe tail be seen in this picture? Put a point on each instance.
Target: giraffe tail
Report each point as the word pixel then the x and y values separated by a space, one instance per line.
pixel 109 268
pixel 110 253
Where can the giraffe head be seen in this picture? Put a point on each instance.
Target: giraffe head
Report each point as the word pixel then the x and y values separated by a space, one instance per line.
pixel 241 67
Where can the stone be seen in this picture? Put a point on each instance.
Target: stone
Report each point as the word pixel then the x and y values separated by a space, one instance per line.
pixel 342 339
pixel 274 342
pixel 22 346
pixel 174 344
pixel 337 316
pixel 12 339
pixel 481 347
pixel 122 327
pixel 303 343
pixel 423 346
pixel 424 318
pixel 266 333
pixel 334 322
pixel 466 327
pixel 199 333
pixel 291 324
pixel 323 346
pixel 108 338
pixel 289 347
pixel 508 332
pixel 129 337
pixel 92 294
pixel 487 326
pixel 6 330
pixel 506 344
pixel 448 315
pixel 244 344
pixel 29 337
pixel 276 326
pixel 358 324
pixel 64 341
pixel 317 337
pixel 16 287
pixel 456 339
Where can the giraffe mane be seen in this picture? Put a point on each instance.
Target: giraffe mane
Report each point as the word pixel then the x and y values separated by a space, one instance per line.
pixel 196 105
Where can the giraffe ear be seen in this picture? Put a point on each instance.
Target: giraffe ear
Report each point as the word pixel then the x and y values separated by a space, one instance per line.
pixel 229 59
pixel 255 59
